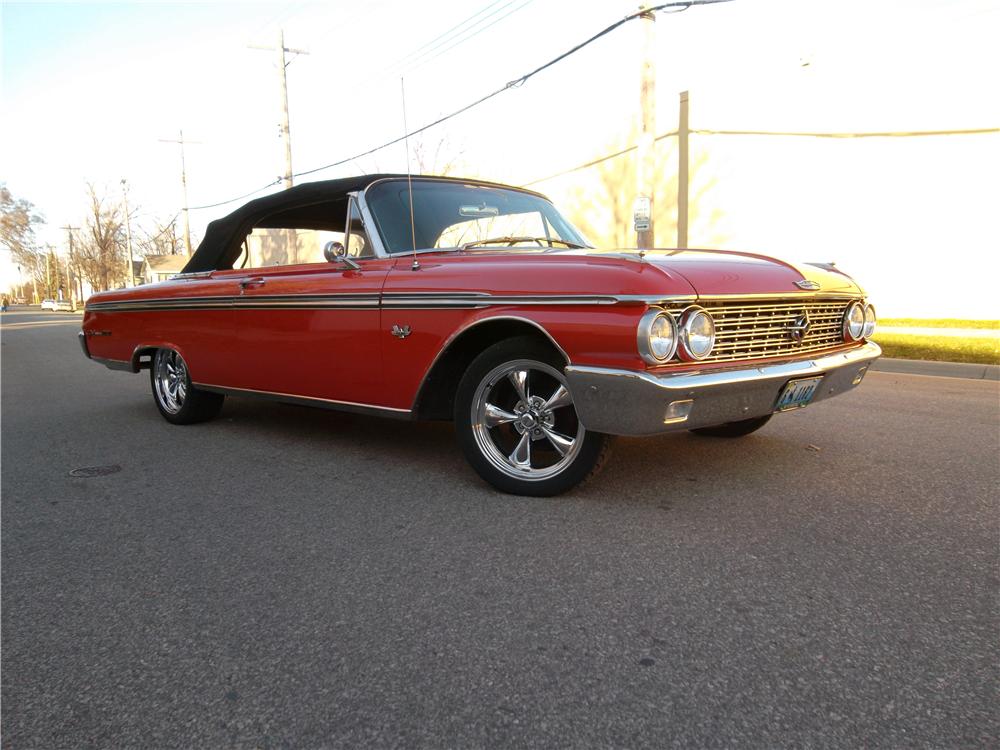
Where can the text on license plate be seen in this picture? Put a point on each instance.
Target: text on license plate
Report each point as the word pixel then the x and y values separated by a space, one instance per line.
pixel 797 393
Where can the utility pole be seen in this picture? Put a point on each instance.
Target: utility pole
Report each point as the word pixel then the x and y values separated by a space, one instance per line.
pixel 682 173
pixel 48 282
pixel 283 81
pixel 184 189
pixel 645 237
pixel 69 260
pixel 129 276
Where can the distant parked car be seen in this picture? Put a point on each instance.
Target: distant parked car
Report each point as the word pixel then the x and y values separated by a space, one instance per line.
pixel 65 305
pixel 48 304
pixel 20 301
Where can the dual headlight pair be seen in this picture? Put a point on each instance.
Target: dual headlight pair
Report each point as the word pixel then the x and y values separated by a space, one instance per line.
pixel 660 338
pixel 859 322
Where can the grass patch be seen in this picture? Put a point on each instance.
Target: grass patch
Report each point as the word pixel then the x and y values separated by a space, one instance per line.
pixel 937 323
pixel 985 351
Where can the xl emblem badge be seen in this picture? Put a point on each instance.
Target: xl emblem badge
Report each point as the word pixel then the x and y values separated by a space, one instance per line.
pixel 810 286
pixel 800 327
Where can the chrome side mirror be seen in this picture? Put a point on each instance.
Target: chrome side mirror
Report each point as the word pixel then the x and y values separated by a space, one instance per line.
pixel 335 252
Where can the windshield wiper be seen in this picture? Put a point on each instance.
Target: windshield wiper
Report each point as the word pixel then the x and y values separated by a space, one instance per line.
pixel 510 241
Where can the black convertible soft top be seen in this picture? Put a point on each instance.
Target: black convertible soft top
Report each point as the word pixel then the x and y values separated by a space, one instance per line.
pixel 318 205
pixel 322 205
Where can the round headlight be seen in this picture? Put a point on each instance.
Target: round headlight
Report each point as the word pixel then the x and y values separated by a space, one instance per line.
pixel 697 334
pixel 869 321
pixel 657 337
pixel 854 322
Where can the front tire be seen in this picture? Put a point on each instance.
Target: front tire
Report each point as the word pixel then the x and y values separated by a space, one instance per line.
pixel 734 429
pixel 177 400
pixel 516 423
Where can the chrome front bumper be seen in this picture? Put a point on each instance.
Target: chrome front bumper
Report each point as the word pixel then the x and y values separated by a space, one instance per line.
pixel 632 402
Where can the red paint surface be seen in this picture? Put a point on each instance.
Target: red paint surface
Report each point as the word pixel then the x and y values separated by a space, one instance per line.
pixel 350 355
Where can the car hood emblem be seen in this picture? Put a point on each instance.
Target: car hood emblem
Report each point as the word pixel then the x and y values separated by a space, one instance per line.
pixel 799 327
pixel 808 285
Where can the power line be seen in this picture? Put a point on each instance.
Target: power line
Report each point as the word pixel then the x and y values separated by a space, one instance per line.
pixel 238 197
pixel 874 134
pixel 421 50
pixel 595 162
pixel 870 134
pixel 517 82
pixel 460 40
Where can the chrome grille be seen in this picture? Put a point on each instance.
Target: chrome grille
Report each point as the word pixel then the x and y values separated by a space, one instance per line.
pixel 759 329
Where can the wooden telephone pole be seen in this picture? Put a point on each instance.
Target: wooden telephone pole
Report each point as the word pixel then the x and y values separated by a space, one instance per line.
pixel 283 82
pixel 184 189
pixel 69 263
pixel 129 275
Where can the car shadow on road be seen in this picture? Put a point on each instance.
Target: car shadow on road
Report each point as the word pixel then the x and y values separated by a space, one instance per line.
pixel 639 470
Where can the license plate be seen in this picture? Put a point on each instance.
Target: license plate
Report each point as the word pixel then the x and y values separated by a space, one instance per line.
pixel 797 393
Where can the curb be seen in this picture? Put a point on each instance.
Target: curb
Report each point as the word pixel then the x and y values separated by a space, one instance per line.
pixel 939 369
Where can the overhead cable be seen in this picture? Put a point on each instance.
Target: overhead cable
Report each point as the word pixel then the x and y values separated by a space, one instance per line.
pixel 517 82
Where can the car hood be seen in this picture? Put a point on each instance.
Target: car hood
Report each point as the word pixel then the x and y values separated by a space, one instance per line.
pixel 716 272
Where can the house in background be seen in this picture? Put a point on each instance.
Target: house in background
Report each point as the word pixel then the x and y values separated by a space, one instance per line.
pixel 136 272
pixel 161 267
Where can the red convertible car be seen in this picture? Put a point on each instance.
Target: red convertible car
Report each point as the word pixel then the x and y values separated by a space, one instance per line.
pixel 440 298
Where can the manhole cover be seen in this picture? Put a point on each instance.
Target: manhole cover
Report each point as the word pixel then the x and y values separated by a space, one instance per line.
pixel 95 471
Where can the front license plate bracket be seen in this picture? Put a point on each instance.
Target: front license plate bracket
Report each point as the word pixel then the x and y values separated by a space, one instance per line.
pixel 797 393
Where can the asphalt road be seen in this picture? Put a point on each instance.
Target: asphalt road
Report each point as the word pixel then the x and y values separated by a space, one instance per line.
pixel 285 577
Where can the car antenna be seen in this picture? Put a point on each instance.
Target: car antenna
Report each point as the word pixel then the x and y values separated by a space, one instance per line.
pixel 409 178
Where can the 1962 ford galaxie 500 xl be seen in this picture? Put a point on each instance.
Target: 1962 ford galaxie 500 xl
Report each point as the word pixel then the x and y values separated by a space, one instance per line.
pixel 437 298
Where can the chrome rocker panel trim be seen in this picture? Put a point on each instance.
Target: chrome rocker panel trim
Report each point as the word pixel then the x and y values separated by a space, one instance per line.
pixel 322 403
pixel 633 402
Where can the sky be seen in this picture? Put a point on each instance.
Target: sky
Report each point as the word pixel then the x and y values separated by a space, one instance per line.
pixel 89 89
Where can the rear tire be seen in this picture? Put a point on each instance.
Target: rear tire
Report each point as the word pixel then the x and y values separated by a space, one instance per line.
pixel 734 429
pixel 516 423
pixel 177 400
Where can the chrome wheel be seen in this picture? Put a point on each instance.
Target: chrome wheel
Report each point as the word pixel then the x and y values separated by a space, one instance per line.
pixel 523 420
pixel 170 380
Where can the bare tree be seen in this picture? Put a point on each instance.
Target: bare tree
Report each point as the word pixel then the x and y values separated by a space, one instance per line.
pixel 441 159
pixel 17 232
pixel 100 249
pixel 602 203
pixel 161 239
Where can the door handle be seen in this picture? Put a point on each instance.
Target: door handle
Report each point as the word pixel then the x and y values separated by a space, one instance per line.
pixel 246 283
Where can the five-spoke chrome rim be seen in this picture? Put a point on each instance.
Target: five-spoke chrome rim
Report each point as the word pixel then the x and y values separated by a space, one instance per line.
pixel 170 379
pixel 524 422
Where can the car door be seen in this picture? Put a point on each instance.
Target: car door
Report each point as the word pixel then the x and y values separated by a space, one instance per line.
pixel 309 330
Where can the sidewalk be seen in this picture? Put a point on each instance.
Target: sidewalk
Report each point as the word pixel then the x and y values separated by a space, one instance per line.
pixel 940 369
pixel 967 333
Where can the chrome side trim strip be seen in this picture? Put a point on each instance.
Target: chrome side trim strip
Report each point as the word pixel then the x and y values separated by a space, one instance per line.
pixel 417 301
pixel 326 403
pixel 368 301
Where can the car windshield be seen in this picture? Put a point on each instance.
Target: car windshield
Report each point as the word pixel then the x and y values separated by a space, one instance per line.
pixel 462 215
